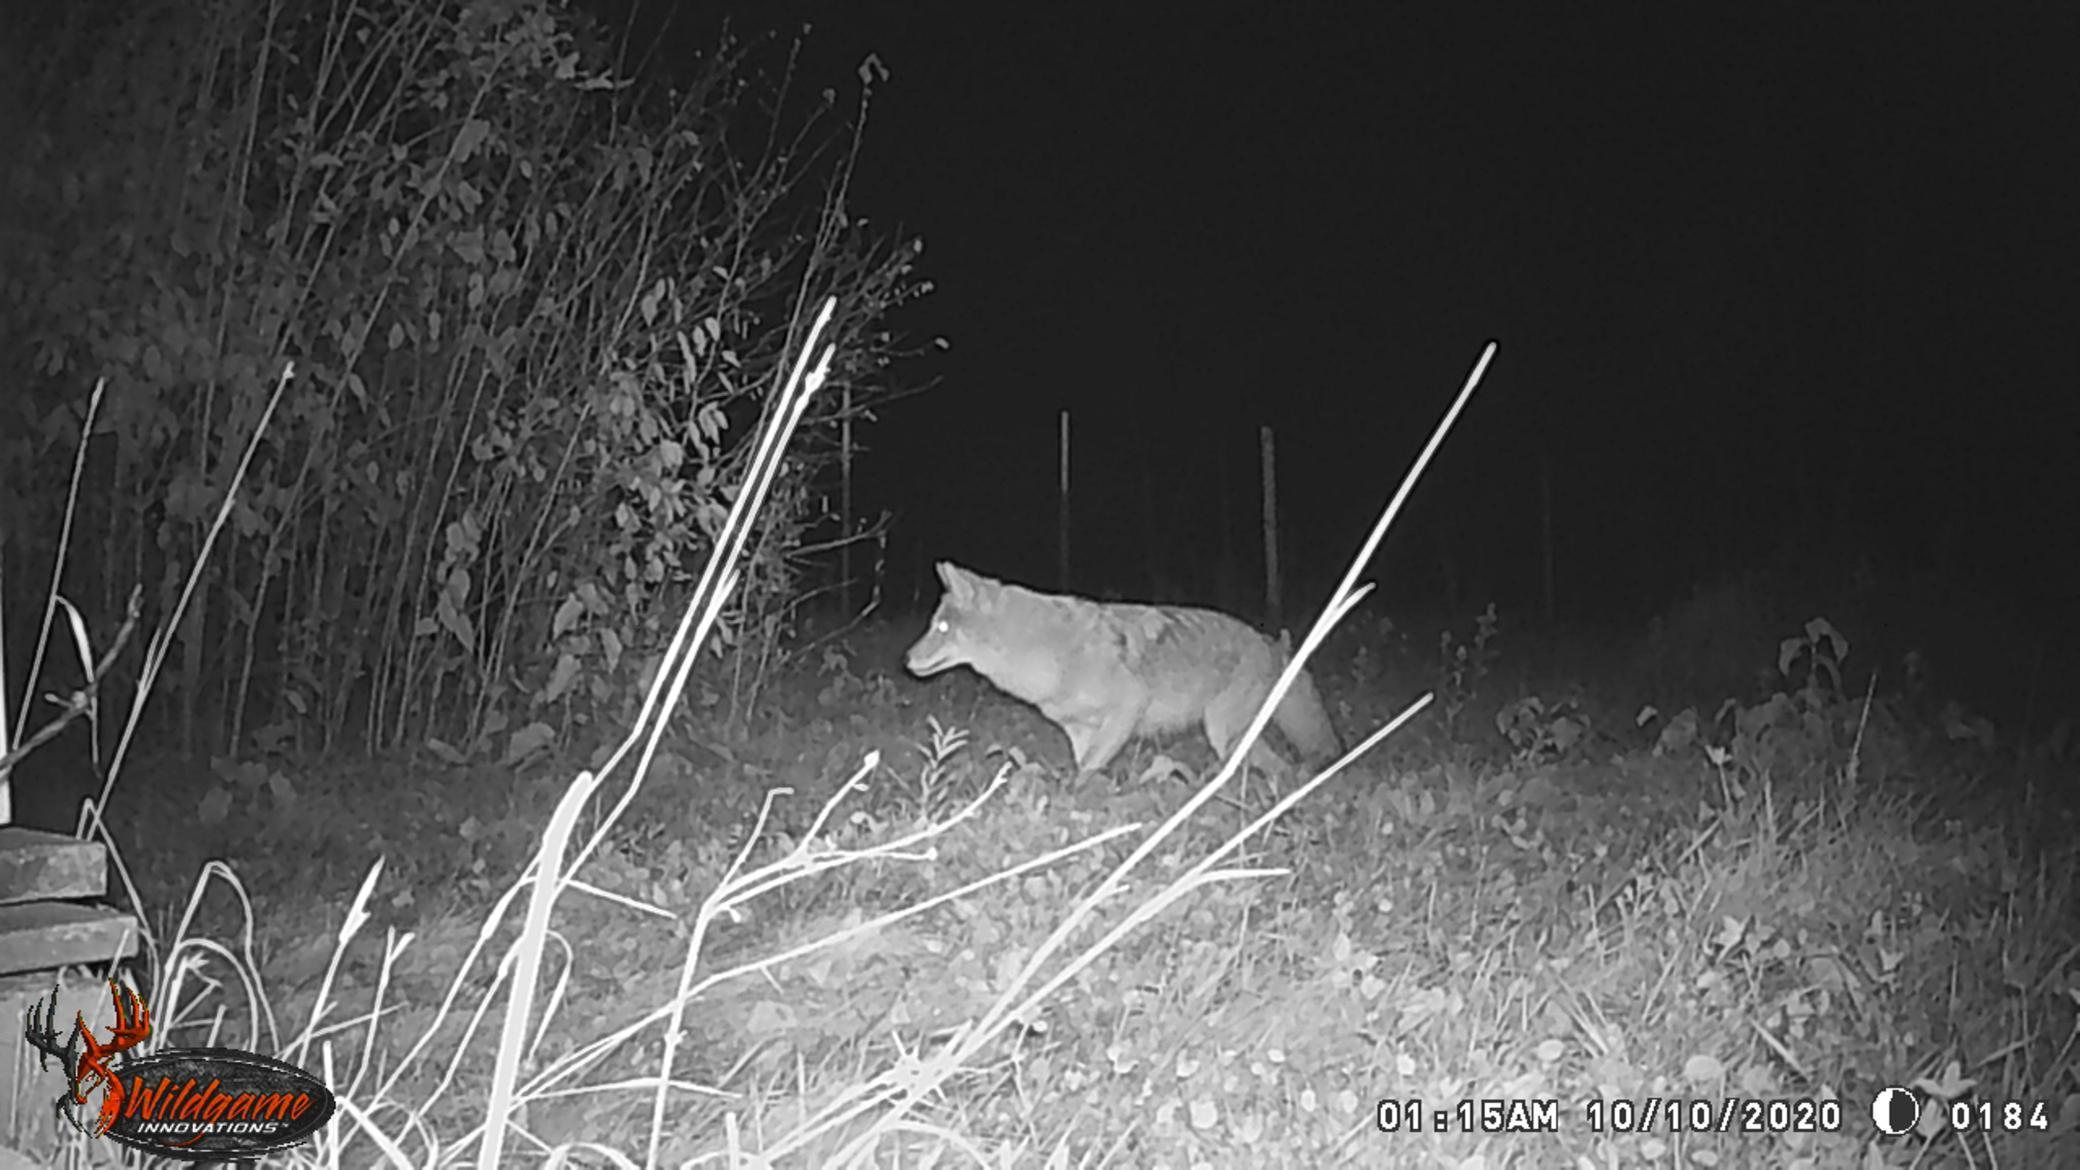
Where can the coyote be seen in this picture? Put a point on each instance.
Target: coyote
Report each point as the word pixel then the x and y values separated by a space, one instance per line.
pixel 1105 672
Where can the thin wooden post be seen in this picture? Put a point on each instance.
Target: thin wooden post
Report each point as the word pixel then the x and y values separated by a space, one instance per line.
pixel 1545 499
pixel 1274 602
pixel 1061 522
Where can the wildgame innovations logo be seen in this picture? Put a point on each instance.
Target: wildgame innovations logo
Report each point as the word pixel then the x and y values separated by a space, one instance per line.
pixel 193 1104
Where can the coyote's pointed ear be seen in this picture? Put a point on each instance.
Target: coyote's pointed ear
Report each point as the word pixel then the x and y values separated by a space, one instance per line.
pixel 959 585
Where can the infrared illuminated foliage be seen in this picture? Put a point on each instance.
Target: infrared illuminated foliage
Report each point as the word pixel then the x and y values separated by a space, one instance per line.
pixel 532 305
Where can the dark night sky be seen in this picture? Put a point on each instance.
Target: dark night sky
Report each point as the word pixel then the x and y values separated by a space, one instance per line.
pixel 1777 275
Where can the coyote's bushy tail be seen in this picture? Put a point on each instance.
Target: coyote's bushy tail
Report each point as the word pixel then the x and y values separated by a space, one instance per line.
pixel 1302 717
pixel 1306 723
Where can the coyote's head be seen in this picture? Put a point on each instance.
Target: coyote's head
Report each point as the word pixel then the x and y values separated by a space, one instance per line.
pixel 958 632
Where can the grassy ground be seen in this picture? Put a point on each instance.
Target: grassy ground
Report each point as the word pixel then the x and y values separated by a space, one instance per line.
pixel 1528 922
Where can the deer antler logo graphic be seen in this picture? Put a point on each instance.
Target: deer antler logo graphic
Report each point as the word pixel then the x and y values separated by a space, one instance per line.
pixel 85 1059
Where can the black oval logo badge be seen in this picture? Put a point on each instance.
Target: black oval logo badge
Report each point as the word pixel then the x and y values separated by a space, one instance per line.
pixel 217 1104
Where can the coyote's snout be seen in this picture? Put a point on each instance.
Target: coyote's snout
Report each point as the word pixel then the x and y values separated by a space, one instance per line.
pixel 1105 672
